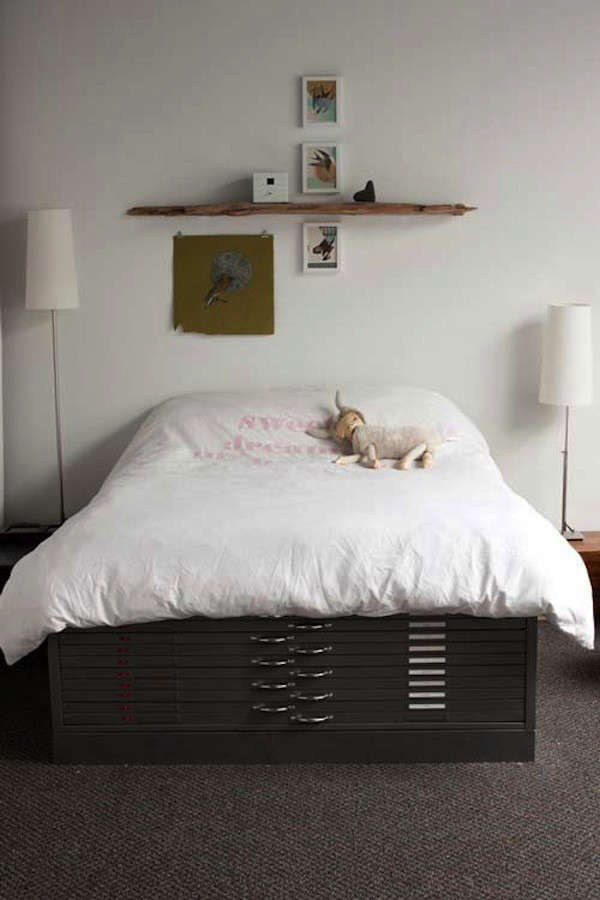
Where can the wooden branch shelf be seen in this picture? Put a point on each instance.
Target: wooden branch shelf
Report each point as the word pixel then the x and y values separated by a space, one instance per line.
pixel 305 209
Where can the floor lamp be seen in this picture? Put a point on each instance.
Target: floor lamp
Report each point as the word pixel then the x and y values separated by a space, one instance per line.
pixel 52 284
pixel 566 378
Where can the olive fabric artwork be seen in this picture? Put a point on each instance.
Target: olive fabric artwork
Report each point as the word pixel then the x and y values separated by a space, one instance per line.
pixel 223 284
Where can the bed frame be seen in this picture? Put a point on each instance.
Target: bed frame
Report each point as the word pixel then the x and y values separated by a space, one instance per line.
pixel 405 688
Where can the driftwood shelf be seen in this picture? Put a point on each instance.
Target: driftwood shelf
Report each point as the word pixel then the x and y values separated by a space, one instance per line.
pixel 305 209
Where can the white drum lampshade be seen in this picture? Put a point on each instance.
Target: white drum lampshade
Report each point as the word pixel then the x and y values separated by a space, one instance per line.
pixel 566 378
pixel 51 274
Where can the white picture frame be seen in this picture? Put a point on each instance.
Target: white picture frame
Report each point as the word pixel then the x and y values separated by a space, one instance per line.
pixel 321 167
pixel 321 101
pixel 319 255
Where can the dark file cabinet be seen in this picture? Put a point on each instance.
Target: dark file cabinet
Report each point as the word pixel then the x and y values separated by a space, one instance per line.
pixel 292 689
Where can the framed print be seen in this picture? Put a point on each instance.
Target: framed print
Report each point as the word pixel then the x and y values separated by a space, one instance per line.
pixel 321 246
pixel 321 100
pixel 321 168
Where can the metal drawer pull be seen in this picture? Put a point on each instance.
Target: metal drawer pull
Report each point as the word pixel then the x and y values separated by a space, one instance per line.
pixel 310 651
pixel 270 663
pixel 427 637
pixel 428 648
pixel 426 671
pixel 425 659
pixel 317 626
pixel 272 685
pixel 271 639
pixel 417 695
pixel 311 720
pixel 426 624
pixel 322 674
pixel 427 706
pixel 425 683
pixel 314 698
pixel 261 707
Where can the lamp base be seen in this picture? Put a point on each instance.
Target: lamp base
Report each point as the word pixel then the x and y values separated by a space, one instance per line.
pixel 570 534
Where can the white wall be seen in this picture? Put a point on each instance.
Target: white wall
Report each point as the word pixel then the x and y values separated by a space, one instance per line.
pixel 121 102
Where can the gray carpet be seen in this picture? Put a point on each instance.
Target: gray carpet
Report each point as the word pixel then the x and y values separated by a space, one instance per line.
pixel 528 830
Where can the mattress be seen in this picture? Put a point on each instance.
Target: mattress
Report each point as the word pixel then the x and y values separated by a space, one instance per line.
pixel 223 506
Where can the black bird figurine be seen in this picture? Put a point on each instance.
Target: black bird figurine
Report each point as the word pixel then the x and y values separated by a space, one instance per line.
pixel 367 195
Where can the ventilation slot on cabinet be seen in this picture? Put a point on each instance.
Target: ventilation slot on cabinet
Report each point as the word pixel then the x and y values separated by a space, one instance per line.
pixel 426 652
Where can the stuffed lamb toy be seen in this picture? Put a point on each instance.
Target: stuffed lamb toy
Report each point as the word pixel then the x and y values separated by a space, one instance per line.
pixel 371 443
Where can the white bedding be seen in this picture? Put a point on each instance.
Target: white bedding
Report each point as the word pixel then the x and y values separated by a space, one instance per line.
pixel 223 506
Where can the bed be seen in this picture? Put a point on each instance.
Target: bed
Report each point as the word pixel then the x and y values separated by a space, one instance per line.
pixel 231 595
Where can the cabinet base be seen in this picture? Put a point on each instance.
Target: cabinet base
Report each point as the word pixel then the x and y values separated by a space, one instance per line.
pixel 426 746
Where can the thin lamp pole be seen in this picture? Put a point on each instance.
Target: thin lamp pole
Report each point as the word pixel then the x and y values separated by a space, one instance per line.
pixel 564 527
pixel 567 532
pixel 59 451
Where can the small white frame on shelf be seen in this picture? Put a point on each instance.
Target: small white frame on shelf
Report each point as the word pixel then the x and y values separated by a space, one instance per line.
pixel 321 167
pixel 321 248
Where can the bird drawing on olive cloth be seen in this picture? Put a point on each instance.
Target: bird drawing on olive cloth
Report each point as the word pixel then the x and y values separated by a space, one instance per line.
pixel 323 165
pixel 230 272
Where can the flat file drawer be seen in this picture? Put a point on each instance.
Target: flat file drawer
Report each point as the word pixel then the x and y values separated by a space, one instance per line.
pixel 229 689
pixel 244 624
pixel 292 673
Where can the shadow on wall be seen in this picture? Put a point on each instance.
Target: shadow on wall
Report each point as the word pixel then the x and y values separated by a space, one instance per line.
pixel 13 249
pixel 523 347
pixel 40 492
pixel 238 191
pixel 39 501
pixel 91 466
pixel 13 254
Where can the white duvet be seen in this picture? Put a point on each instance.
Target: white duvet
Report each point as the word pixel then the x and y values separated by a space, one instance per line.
pixel 223 506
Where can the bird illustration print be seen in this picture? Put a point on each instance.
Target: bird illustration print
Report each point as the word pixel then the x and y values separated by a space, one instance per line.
pixel 322 95
pixel 326 247
pixel 230 271
pixel 323 166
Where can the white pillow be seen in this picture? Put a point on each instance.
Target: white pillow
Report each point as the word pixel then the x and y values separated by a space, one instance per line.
pixel 271 425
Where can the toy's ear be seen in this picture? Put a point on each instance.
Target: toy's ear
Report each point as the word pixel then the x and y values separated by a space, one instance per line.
pixel 345 409
pixel 339 404
pixel 317 431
